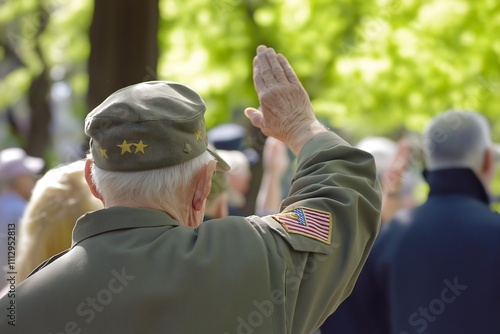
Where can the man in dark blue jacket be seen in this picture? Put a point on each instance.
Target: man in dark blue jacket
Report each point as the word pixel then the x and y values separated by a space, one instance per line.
pixel 436 269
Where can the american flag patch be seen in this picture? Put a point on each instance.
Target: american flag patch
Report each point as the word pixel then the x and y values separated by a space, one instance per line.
pixel 311 223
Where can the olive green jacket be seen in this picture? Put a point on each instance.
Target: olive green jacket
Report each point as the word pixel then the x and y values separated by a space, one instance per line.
pixel 138 271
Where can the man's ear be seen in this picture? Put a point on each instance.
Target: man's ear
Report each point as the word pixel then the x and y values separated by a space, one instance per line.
pixel 488 162
pixel 90 183
pixel 488 168
pixel 203 185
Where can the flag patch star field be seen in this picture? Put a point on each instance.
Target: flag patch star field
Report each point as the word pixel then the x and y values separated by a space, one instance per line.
pixel 310 223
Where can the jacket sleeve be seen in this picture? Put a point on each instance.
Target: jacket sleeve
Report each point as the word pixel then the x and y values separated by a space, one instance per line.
pixel 329 222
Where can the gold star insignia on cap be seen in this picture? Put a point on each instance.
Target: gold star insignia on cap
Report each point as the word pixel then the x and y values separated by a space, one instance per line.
pixel 198 135
pixel 139 147
pixel 103 152
pixel 125 147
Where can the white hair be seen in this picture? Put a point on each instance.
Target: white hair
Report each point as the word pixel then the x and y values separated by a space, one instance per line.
pixel 382 149
pixel 150 186
pixel 456 139
pixel 237 160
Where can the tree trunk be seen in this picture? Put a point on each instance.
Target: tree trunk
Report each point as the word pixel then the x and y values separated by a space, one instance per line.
pixel 124 46
pixel 38 99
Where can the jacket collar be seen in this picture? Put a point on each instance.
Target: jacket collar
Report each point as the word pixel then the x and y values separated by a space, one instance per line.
pixel 461 181
pixel 118 218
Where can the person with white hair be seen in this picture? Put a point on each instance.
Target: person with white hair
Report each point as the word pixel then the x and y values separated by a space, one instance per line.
pixel 238 179
pixel 146 263
pixel 460 139
pixel 397 168
pixel 435 270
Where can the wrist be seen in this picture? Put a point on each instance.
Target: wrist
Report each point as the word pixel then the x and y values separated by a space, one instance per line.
pixel 304 134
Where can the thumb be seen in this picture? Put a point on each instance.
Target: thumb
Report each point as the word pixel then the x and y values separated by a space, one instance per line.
pixel 255 116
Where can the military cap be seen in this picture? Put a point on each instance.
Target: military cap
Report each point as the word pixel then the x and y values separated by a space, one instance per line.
pixel 149 125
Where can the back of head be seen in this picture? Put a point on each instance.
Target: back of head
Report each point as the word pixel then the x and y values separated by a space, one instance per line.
pixel 240 173
pixel 59 198
pixel 237 161
pixel 239 176
pixel 382 149
pixel 147 143
pixel 456 139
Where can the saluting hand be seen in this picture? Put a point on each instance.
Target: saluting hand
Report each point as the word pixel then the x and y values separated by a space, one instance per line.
pixel 286 112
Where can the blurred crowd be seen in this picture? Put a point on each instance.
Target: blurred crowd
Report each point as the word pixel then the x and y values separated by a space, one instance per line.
pixel 434 261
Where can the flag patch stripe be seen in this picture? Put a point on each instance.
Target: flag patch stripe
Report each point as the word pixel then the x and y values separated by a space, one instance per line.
pixel 320 229
pixel 307 222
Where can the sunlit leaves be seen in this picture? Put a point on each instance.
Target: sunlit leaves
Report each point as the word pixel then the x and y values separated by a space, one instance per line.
pixel 13 87
pixel 369 66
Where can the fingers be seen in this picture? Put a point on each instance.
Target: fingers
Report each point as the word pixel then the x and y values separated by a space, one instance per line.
pixel 287 69
pixel 255 117
pixel 271 69
pixel 404 147
pixel 258 82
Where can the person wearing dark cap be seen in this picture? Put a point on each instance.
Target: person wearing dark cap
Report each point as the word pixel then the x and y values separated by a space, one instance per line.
pixel 146 264
pixel 232 137
pixel 229 139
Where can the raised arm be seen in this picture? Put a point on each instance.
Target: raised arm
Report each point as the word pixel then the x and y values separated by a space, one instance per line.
pixel 331 216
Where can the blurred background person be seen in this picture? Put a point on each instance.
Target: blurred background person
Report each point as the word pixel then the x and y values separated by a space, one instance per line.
pixel 59 198
pixel 239 177
pixel 17 179
pixel 398 169
pixel 231 139
pixel 435 270
pixel 218 198
pixel 275 161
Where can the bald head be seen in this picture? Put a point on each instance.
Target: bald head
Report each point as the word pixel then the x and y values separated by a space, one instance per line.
pixel 457 139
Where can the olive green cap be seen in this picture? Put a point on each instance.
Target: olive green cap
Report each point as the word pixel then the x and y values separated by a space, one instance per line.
pixel 149 125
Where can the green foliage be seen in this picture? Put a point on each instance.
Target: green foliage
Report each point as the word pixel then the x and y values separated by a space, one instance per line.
pixel 371 67
pixel 63 44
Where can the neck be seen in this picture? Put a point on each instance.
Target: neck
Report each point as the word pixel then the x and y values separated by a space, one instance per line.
pixel 181 212
pixel 456 181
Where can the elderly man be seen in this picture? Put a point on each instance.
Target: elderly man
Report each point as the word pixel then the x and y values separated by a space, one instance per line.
pixel 144 264
pixel 434 269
